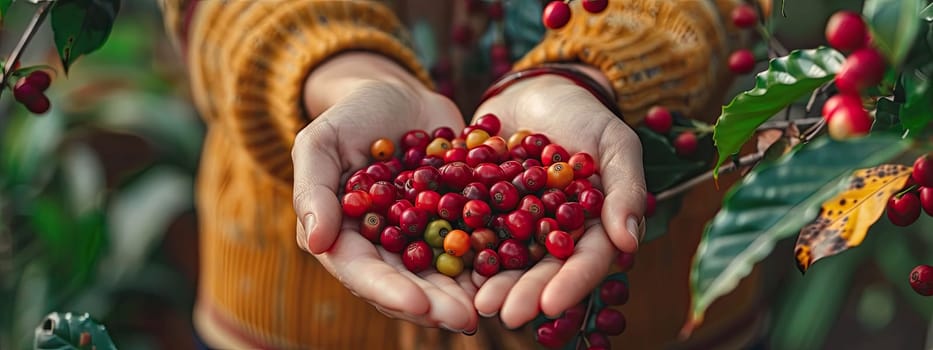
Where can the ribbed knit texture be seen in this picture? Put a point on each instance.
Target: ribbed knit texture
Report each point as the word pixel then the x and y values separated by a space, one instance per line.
pixel 654 52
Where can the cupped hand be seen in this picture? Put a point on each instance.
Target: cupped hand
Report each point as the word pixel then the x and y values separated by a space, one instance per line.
pixel 572 117
pixel 337 143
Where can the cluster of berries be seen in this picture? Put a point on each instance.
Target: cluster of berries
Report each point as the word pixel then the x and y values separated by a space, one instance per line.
pixel 475 200
pixel 556 14
pixel 30 91
pixel 863 68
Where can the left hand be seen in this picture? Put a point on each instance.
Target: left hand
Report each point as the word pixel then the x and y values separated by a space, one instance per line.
pixel 570 116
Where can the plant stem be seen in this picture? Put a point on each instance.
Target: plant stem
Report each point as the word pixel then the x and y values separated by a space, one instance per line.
pixel 683 187
pixel 30 32
pixel 581 335
pixel 781 124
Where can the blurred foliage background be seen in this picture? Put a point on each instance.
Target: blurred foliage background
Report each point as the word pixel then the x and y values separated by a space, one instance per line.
pixel 97 214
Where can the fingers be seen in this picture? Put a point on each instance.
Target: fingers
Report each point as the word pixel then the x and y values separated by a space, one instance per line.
pixel 358 265
pixel 522 303
pixel 580 273
pixel 492 294
pixel 317 174
pixel 623 179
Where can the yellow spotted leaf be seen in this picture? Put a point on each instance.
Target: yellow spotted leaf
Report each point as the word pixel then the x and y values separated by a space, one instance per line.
pixel 844 220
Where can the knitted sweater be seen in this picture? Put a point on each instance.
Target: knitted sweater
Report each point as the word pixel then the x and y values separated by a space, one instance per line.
pixel 248 61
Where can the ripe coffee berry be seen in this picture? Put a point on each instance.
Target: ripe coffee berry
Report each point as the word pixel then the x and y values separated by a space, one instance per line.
pixel 39 79
pixel 650 205
pixel 583 165
pixel 380 172
pixel 412 158
pixel 686 144
pixel 864 68
pixel 427 201
pixel 520 224
pixel 534 178
pixel 534 144
pixel 413 221
pixel 905 210
pixel 926 200
pixel 455 155
pixel 659 120
pixel 598 340
pixel 559 244
pixel 444 133
pixel 513 254
pixel 489 122
pixel 483 238
pixel 744 16
pixel 481 154
pixel 499 147
pixel 575 187
pixel 486 262
pixel 488 174
pixel 742 61
pixel 570 216
pixel 591 200
pixel 450 206
pixel 846 31
pixel 372 225
pixel 415 139
pixel 393 240
pixel 476 190
pixel 356 203
pixel 543 227
pixel 503 196
pixel 556 15
pixel 559 175
pixel 848 122
pixel 533 205
pixel 553 153
pixel 921 280
pixel 511 169
pixel 552 200
pixel 595 6
pixel 840 101
pixel 457 242
pixel 417 256
pixel 614 292
pixel 923 171
pixel 610 321
pixel 476 213
pixel 625 261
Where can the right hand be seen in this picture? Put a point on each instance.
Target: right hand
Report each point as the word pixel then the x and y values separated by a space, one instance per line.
pixel 359 98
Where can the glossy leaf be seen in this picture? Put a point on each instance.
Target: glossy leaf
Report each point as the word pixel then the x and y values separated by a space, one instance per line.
pixel 69 331
pixel 658 224
pixel 772 203
pixel 663 168
pixel 917 110
pixel 81 27
pixel 887 117
pixel 894 24
pixel 927 13
pixel 786 80
pixel 844 220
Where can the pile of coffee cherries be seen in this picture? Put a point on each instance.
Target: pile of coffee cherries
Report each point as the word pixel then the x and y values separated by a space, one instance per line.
pixel 476 199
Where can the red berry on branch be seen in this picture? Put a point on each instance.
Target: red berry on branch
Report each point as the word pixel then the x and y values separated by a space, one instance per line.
pixel 495 10
pixel 610 321
pixel 39 105
pixel 840 100
pixel 742 61
pixel 499 53
pixel 744 16
pixel 921 280
pixel 926 200
pixel 24 92
pixel 39 80
pixel 614 292
pixel 625 261
pixel 547 336
pixel 595 6
pixel 905 210
pixel 659 120
pixel 923 170
pixel 686 144
pixel 846 31
pixel 598 340
pixel 556 15
pixel 462 34
pixel 864 68
pixel 849 121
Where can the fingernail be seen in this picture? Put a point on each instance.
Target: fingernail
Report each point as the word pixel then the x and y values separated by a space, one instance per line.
pixel 470 333
pixel 489 315
pixel 444 326
pixel 632 225
pixel 308 223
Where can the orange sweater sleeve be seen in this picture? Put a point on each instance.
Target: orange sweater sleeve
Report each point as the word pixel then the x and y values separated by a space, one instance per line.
pixel 654 52
pixel 248 61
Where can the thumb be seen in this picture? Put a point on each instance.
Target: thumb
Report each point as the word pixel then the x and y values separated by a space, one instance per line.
pixel 623 179
pixel 317 174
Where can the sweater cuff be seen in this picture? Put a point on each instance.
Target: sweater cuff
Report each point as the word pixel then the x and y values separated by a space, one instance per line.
pixel 257 89
pixel 654 52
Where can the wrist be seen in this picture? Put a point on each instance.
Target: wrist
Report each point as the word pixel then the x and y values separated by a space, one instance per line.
pixel 348 72
pixel 565 75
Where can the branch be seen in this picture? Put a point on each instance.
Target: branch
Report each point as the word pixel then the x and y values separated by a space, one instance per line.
pixel 30 32
pixel 683 187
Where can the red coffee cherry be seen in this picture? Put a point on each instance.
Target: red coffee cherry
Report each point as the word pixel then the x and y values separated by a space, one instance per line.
pixel 559 244
pixel 554 153
pixel 614 292
pixel 356 203
pixel 371 226
pixel 610 321
pixel 595 6
pixel 744 16
pixel 476 213
pixel 418 256
pixel 393 240
pixel 520 224
pixel 382 194
pixel 513 255
pixel 659 120
pixel 490 123
pixel 415 139
pixel 484 238
pixel 921 280
pixel 849 121
pixel 846 31
pixel 905 210
pixel 625 261
pixel 926 200
pixel 840 100
pixel 486 262
pixel 41 80
pixel 864 68
pixel 583 165
pixel 742 61
pixel 650 205
pixel 39 104
pixel 923 170
pixel 556 15
pixel 686 144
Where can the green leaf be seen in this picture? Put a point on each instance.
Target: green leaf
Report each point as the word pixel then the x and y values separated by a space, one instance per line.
pixel 927 13
pixel 4 5
pixel 663 168
pixel 917 110
pixel 787 79
pixel 65 332
pixel 658 224
pixel 82 26
pixel 886 117
pixel 772 203
pixel 894 24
